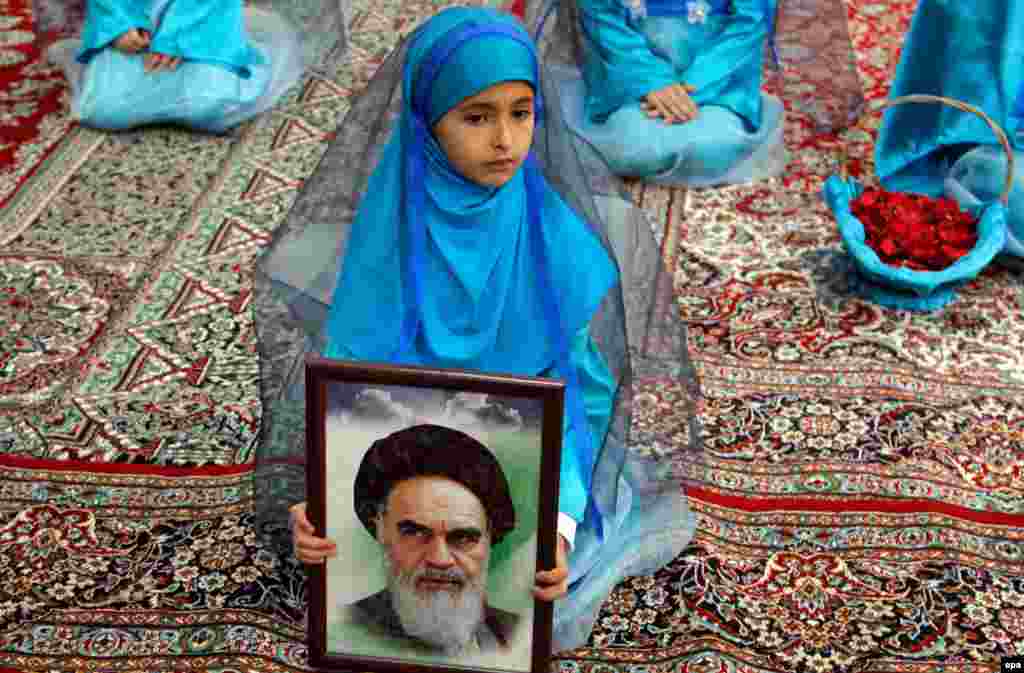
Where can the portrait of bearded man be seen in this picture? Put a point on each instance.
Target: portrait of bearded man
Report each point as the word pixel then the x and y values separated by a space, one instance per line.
pixel 437 501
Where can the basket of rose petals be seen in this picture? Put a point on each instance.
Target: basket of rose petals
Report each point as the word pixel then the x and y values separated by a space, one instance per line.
pixel 913 251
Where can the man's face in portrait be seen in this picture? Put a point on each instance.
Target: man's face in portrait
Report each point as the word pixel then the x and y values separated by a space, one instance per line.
pixel 437 543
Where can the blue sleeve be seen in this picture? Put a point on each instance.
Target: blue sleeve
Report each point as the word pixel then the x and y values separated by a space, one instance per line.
pixel 598 388
pixel 107 20
pixel 619 66
pixel 728 71
pixel 207 31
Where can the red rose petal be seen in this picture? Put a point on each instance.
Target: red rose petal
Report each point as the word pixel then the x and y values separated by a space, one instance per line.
pixel 915 231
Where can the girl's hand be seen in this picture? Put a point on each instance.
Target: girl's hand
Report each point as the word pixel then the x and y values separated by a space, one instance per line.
pixel 309 548
pixel 155 62
pixel 133 41
pixel 554 584
pixel 673 104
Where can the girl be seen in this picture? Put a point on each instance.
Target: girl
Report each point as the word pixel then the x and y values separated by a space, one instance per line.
pixel 670 90
pixel 205 64
pixel 485 237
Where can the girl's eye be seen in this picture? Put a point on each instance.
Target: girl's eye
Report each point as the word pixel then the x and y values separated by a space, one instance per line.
pixel 523 114
pixel 474 118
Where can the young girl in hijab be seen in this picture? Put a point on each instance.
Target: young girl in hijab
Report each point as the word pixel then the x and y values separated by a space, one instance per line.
pixel 205 64
pixel 479 242
pixel 972 52
pixel 671 89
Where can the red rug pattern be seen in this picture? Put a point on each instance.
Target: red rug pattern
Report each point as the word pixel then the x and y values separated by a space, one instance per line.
pixel 32 96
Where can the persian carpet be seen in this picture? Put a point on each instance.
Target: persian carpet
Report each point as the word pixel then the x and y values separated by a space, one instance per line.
pixel 32 121
pixel 859 504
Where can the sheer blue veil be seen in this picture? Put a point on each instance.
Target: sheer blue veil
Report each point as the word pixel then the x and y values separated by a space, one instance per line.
pixel 639 520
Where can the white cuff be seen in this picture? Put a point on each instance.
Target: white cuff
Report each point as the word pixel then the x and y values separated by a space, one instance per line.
pixel 567 528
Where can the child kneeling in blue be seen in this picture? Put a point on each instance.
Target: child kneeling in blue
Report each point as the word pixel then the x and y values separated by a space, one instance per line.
pixel 456 222
pixel 205 64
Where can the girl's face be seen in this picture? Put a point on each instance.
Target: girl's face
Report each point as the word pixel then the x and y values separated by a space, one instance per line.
pixel 487 136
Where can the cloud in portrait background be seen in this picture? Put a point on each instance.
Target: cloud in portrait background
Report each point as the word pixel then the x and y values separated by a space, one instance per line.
pixel 359 415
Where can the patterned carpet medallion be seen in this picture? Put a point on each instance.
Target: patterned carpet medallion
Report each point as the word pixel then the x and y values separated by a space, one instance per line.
pixel 860 502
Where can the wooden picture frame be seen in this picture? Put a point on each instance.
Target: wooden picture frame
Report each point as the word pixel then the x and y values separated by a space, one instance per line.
pixel 357 413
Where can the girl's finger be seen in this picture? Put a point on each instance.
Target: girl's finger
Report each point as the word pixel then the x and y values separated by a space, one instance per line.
pixel 681 103
pixel 678 103
pixel 313 553
pixel 555 576
pixel 314 544
pixel 665 111
pixel 549 594
pixel 682 94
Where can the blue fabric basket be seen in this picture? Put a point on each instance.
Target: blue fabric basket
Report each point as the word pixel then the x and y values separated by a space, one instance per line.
pixel 905 289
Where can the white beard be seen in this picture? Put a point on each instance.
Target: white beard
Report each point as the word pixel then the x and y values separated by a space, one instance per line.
pixel 446 620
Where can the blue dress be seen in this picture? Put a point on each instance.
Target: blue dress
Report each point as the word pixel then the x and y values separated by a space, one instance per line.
pixel 236 64
pixel 717 48
pixel 972 52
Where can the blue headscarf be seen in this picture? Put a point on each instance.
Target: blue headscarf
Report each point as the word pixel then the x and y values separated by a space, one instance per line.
pixel 444 272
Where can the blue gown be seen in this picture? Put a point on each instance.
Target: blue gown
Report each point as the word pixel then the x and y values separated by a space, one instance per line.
pixel 236 64
pixel 973 52
pixel 737 136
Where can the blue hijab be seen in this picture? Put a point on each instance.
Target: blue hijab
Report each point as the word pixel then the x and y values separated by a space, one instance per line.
pixel 441 271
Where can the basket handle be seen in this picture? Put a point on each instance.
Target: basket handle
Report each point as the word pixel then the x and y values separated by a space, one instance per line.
pixel 966 107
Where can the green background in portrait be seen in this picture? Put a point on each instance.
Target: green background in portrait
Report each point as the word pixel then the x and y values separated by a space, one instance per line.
pixel 519 455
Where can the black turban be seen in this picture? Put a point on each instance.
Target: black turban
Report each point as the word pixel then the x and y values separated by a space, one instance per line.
pixel 433 451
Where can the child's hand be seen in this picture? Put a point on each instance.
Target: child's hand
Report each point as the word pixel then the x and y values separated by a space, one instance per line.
pixel 554 584
pixel 673 104
pixel 133 41
pixel 155 62
pixel 309 548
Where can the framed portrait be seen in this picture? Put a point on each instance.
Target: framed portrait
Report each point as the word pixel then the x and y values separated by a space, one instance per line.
pixel 440 489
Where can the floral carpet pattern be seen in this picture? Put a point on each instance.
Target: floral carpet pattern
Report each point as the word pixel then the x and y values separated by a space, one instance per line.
pixel 860 502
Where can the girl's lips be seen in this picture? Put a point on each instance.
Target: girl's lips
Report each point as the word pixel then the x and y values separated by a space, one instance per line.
pixel 502 164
